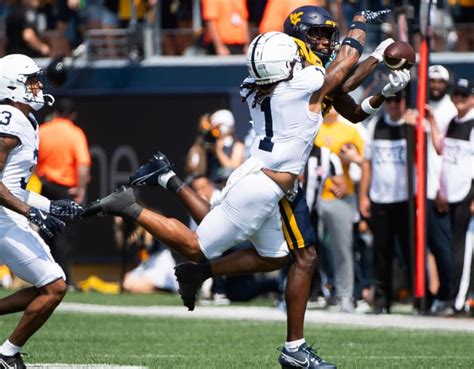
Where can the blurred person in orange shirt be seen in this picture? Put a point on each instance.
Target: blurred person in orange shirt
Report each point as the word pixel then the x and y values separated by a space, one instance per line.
pixel 226 23
pixel 276 12
pixel 64 169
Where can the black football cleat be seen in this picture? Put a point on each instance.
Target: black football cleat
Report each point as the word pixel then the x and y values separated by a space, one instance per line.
pixel 12 362
pixel 147 174
pixel 188 277
pixel 120 202
pixel 305 357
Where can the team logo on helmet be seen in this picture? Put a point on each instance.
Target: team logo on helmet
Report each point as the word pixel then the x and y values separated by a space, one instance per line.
pixel 295 18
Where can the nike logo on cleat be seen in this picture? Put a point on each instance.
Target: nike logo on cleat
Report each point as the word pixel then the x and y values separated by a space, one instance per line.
pixel 303 364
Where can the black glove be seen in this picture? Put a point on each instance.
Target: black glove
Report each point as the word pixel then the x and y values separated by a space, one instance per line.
pixel 66 208
pixel 375 17
pixel 46 223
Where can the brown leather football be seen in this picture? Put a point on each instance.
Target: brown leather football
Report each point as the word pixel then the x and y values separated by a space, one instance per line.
pixel 399 55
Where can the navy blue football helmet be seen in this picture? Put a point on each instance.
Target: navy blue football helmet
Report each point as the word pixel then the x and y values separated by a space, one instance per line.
pixel 310 23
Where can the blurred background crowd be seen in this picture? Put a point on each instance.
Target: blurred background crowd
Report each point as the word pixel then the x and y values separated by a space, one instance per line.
pixel 110 29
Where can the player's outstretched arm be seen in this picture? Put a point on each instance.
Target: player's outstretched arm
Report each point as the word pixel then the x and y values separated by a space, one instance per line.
pixel 365 67
pixel 349 109
pixel 347 57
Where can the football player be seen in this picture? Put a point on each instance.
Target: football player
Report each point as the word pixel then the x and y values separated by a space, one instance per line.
pixel 285 102
pixel 316 34
pixel 21 248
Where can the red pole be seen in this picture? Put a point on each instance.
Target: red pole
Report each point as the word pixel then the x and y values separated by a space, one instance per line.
pixel 421 172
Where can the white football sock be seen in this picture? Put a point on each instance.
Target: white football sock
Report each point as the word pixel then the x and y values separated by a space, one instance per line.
pixel 9 349
pixel 293 346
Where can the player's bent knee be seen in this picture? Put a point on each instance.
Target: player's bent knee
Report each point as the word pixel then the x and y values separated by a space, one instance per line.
pixel 55 290
pixel 305 258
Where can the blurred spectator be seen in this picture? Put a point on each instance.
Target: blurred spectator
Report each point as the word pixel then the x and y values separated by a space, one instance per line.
pixel 176 15
pixel 457 182
pixel 68 21
pixel 276 12
pixel 134 11
pixel 463 13
pixel 322 164
pixel 156 269
pixel 438 226
pixel 24 30
pixel 444 35
pixel 383 196
pixel 216 152
pixel 64 168
pixel 226 26
pixel 101 14
pixel 338 207
pixel 256 9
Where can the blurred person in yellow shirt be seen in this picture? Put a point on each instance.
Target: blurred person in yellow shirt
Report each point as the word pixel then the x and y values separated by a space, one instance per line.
pixel 338 209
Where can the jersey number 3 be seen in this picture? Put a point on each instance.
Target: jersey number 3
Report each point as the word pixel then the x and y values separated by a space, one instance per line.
pixel 266 143
pixel 5 117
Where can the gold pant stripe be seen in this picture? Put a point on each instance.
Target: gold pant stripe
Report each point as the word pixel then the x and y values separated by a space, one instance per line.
pixel 293 226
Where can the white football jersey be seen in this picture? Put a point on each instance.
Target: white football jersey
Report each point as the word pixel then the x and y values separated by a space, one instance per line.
pixel 21 160
pixel 285 128
pixel 457 171
pixel 444 111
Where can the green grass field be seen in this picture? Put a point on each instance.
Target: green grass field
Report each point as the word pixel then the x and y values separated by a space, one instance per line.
pixel 181 343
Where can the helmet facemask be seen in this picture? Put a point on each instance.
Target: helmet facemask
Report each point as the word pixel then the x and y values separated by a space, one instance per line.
pixel 315 35
pixel 33 95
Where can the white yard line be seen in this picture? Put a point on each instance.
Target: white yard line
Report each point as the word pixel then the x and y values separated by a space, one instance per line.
pixel 273 314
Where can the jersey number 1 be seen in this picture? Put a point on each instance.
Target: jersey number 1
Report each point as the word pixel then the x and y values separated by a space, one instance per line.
pixel 266 143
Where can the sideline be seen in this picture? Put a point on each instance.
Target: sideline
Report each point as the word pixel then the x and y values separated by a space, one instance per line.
pixel 273 314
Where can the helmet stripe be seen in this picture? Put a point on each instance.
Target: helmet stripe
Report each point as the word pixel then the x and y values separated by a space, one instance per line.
pixel 254 67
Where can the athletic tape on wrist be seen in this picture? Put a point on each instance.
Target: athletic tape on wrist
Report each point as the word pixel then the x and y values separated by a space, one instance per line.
pixel 367 108
pixel 37 201
pixel 352 42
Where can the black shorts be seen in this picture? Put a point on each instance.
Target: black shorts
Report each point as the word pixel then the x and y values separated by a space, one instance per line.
pixel 296 221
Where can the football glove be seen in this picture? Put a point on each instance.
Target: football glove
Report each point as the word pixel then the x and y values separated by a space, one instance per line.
pixel 375 17
pixel 398 80
pixel 49 224
pixel 380 49
pixel 65 208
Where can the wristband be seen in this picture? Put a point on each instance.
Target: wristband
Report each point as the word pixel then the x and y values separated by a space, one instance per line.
pixel 352 42
pixel 35 200
pixel 358 25
pixel 367 108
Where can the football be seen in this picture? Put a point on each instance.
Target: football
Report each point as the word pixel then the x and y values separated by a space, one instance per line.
pixel 399 55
